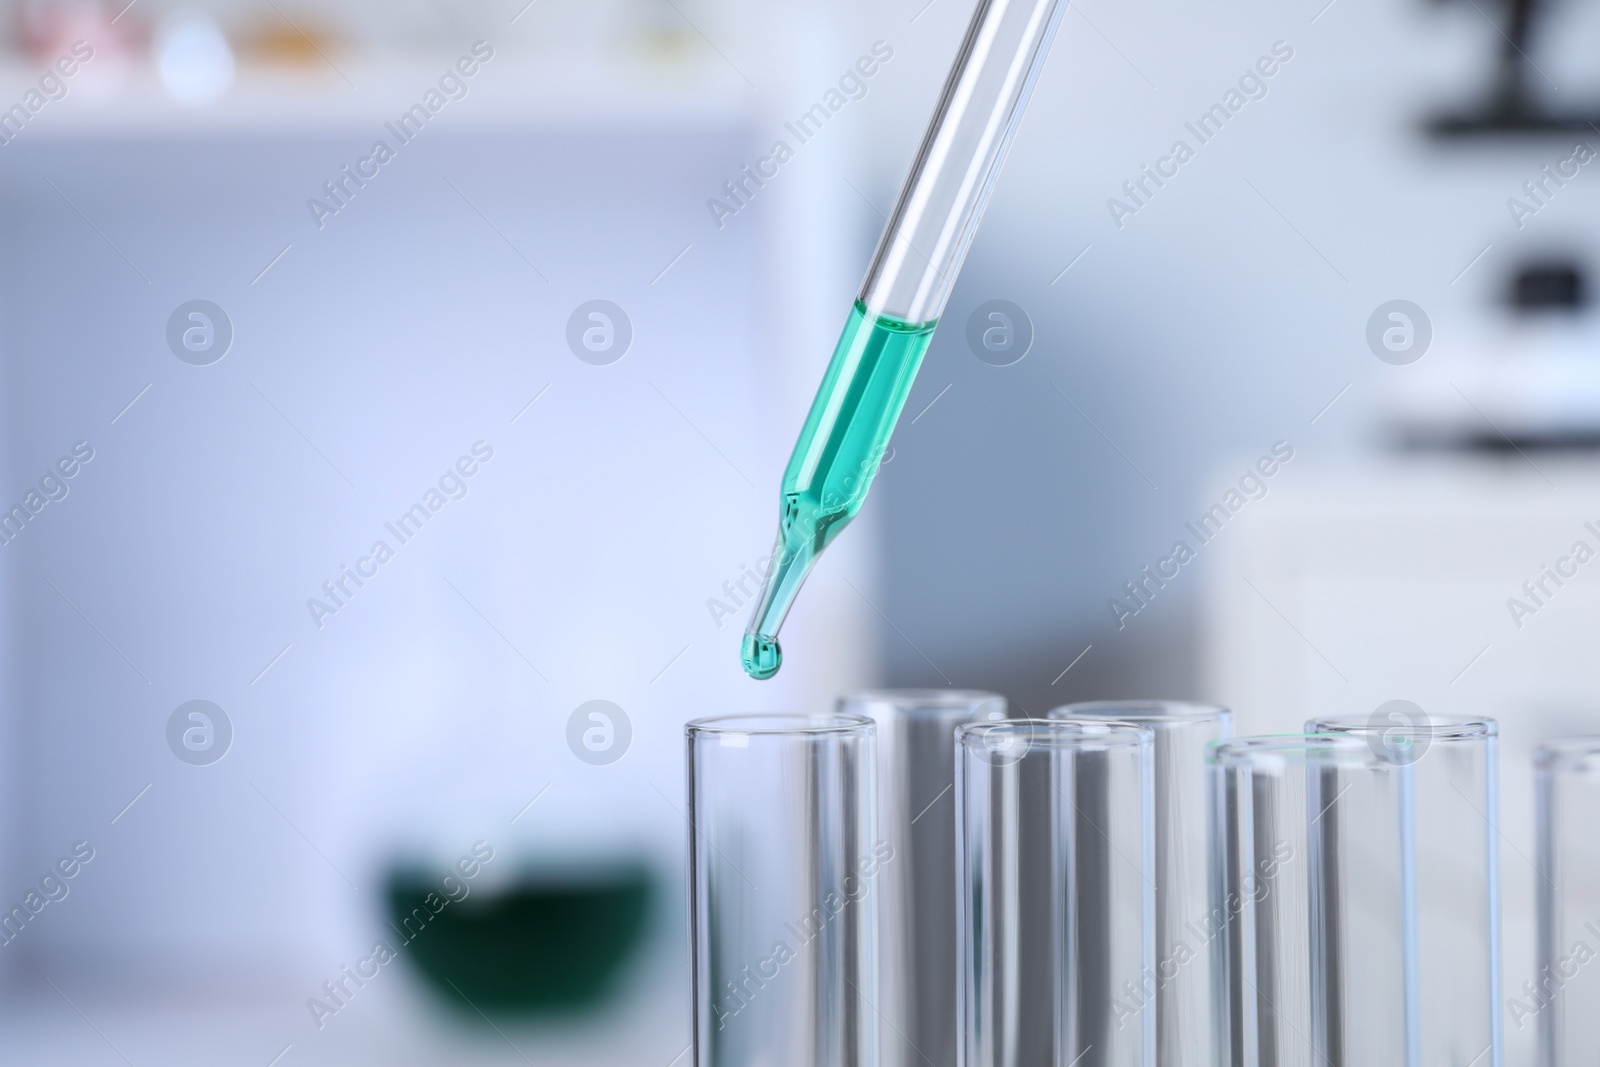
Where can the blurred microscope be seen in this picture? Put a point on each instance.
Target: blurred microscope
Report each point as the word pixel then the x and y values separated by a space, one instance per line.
pixel 1513 104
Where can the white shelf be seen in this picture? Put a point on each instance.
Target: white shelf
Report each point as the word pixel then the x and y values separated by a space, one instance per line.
pixel 368 91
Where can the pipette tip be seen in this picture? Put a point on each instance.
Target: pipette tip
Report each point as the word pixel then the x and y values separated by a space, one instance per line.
pixel 761 656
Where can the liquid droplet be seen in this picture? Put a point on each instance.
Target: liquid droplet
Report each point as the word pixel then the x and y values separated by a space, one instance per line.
pixel 761 656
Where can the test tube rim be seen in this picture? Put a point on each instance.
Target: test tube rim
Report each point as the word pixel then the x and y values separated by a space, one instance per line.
pixel 1568 753
pixel 782 724
pixel 1240 752
pixel 915 701
pixel 1443 728
pixel 1060 733
pixel 1161 712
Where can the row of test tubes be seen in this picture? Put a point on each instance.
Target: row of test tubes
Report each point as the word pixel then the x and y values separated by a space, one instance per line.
pixel 919 880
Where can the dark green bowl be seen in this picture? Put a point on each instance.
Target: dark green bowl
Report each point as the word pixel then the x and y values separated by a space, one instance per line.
pixel 550 941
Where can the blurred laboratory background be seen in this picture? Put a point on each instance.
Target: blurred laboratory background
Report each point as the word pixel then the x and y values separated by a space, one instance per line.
pixel 374 517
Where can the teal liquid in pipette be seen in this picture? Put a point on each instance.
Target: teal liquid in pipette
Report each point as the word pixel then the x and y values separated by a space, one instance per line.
pixel 839 450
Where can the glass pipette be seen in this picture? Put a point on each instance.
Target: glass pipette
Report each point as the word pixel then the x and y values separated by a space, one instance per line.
pixel 918 257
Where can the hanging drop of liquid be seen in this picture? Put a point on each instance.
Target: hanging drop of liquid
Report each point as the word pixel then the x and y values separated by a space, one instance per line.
pixel 835 458
pixel 761 656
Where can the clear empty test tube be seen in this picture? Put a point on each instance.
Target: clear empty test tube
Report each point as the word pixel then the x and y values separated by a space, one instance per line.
pixel 1186 953
pixel 783 871
pixel 1565 996
pixel 1455 768
pixel 1054 842
pixel 1312 904
pixel 917 889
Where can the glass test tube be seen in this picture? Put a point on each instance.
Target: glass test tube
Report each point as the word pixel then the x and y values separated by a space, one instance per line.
pixel 1186 952
pixel 1312 903
pixel 783 865
pixel 1566 994
pixel 1054 840
pixel 917 891
pixel 1455 769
